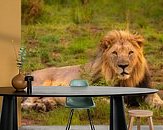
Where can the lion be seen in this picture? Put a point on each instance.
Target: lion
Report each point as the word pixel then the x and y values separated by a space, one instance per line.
pixel 120 60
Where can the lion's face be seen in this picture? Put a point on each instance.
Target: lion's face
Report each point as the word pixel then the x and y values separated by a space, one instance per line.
pixel 122 53
pixel 122 57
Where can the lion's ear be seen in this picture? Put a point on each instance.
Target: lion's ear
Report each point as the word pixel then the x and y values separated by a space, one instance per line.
pixel 104 44
pixel 139 39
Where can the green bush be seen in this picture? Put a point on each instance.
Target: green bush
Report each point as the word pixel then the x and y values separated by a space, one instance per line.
pixel 81 13
pixel 49 38
pixel 32 10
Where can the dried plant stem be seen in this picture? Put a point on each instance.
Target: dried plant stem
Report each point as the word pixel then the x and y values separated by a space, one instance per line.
pixel 14 49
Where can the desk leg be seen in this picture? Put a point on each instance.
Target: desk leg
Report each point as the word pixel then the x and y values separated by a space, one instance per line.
pixel 9 113
pixel 117 114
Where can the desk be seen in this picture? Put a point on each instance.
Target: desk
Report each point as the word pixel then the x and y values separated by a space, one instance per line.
pixel 117 115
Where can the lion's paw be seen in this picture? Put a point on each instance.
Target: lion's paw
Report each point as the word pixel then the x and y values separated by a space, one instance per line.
pixel 154 100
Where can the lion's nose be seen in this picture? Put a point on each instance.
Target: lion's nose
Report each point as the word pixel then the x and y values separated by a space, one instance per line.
pixel 123 66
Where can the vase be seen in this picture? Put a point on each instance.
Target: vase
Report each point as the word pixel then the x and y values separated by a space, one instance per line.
pixel 18 82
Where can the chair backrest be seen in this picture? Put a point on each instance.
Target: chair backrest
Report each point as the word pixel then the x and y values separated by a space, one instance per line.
pixel 79 83
pixel 79 102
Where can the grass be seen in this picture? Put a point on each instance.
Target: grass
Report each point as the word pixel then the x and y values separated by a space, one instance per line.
pixel 68 33
pixel 100 115
pixel 63 32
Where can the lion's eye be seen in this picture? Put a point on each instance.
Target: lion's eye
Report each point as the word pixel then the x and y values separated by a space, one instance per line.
pixel 114 53
pixel 131 52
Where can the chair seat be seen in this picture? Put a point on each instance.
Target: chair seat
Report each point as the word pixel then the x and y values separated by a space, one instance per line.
pixel 140 113
pixel 79 102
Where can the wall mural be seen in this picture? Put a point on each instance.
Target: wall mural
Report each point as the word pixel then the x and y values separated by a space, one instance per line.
pixel 67 40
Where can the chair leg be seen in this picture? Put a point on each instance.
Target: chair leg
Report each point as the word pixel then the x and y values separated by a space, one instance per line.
pixel 150 123
pixel 138 123
pixel 69 119
pixel 131 123
pixel 90 120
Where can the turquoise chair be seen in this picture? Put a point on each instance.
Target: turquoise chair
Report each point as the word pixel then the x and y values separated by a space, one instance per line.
pixel 79 102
